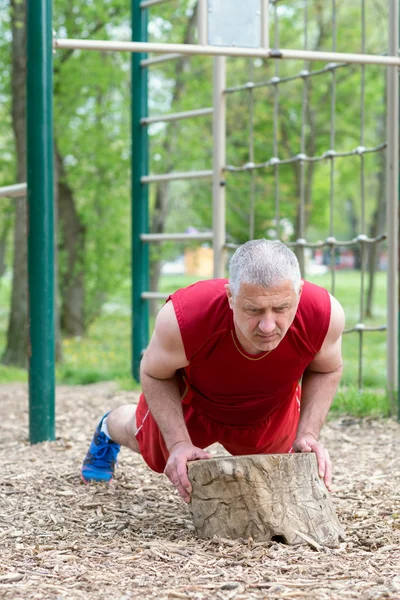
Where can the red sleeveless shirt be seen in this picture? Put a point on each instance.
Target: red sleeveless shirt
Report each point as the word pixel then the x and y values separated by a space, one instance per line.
pixel 225 382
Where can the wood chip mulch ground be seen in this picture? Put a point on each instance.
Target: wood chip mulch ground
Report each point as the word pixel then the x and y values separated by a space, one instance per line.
pixel 134 539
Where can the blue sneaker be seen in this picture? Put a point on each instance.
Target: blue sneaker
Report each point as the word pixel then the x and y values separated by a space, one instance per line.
pixel 101 459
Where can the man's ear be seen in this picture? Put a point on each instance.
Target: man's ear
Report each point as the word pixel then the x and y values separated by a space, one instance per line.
pixel 229 294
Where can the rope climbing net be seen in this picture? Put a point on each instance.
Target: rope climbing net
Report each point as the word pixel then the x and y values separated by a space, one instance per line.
pixel 274 163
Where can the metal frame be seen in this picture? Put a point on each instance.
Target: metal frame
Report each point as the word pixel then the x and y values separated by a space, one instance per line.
pixel 202 10
pixel 200 112
pixel 40 184
pixel 40 221
pixel 149 3
pixel 219 161
pixel 140 193
pixel 148 62
pixel 392 191
pixel 193 49
pixel 265 23
pixel 176 176
pixel 13 191
pixel 176 237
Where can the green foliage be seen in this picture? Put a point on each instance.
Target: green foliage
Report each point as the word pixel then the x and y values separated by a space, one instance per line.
pixel 7 153
pixel 12 375
pixel 92 129
pixel 347 291
pixel 102 355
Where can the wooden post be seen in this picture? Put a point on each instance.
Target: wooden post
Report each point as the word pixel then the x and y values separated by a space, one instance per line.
pixel 265 497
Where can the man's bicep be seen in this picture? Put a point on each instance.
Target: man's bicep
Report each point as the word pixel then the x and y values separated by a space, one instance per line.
pixel 329 358
pixel 165 353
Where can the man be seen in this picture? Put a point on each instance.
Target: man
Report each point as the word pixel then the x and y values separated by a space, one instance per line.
pixel 253 364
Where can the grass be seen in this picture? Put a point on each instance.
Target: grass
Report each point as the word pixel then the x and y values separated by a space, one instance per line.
pixel 373 364
pixel 105 353
pixel 350 401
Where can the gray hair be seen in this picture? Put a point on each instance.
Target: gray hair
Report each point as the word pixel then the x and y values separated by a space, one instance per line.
pixel 264 263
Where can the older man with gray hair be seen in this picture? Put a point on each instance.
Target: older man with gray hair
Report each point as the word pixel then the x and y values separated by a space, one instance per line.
pixel 252 363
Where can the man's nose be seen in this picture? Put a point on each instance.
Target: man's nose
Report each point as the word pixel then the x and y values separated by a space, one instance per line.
pixel 267 324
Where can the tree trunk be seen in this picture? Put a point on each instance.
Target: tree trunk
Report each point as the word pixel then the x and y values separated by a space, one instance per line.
pixel 72 242
pixel 4 242
pixel 157 226
pixel 263 496
pixel 17 334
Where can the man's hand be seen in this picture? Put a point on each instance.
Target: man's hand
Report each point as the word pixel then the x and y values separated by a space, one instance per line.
pixel 308 443
pixel 176 468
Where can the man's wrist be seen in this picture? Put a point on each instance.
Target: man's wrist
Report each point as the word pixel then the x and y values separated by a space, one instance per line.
pixel 301 433
pixel 172 445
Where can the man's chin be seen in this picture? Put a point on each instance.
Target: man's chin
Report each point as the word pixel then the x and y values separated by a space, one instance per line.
pixel 267 344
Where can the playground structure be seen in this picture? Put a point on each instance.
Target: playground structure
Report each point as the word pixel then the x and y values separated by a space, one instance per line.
pixel 40 199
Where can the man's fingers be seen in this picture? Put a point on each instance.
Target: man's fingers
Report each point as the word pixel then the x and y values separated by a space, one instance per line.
pixel 328 471
pixel 176 469
pixel 201 454
pixel 320 452
pixel 181 490
pixel 181 469
pixel 177 474
pixel 176 482
pixel 324 464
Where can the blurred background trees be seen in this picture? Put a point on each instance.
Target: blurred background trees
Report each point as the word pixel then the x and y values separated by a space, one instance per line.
pixel 92 147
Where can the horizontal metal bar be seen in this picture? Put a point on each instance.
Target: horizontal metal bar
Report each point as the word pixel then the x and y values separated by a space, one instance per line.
pixel 154 60
pixel 154 295
pixel 176 176
pixel 329 154
pixel 345 57
pixel 163 237
pixel 13 191
pixel 200 112
pixel 196 49
pixel 329 242
pixel 148 3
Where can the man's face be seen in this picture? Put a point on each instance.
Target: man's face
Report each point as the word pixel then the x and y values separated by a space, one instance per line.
pixel 263 316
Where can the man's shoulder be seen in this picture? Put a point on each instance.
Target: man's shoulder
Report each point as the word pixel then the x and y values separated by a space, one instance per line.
pixel 203 290
pixel 201 297
pixel 313 294
pixel 214 285
pixel 202 310
pixel 313 315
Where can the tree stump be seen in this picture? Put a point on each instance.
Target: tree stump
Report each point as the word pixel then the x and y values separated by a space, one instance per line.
pixel 265 497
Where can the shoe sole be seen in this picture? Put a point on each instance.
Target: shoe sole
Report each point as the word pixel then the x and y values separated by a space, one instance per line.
pixel 87 481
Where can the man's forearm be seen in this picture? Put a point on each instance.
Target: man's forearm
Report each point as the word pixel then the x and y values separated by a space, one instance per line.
pixel 164 400
pixel 318 391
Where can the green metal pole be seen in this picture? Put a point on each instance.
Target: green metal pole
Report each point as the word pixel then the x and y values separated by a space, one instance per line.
pixel 40 220
pixel 140 200
pixel 398 274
